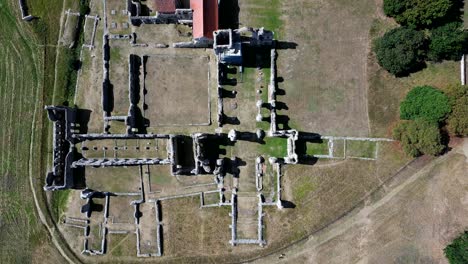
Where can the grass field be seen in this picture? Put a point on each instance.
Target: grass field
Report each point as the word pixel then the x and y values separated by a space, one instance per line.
pixel 177 99
pixel 324 71
pixel 361 149
pixel 27 74
pixel 274 147
pixel 317 148
pixel 23 90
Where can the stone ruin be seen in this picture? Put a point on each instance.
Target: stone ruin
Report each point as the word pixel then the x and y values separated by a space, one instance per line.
pixel 25 11
pixel 64 125
pixel 180 14
pixel 227 46
pixel 186 154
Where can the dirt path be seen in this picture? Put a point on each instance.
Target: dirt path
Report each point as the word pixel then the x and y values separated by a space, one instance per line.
pixel 411 223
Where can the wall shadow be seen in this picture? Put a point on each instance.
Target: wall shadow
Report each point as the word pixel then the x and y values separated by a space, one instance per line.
pixel 229 14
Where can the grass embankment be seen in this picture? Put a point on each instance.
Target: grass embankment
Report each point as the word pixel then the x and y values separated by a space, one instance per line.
pixel 25 81
pixel 63 79
pixel 58 203
pixel 69 58
pixel 27 73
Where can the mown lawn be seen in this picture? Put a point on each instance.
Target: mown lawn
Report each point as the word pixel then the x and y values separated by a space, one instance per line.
pixel 265 13
pixel 317 148
pixel 274 147
pixel 27 73
pixel 20 87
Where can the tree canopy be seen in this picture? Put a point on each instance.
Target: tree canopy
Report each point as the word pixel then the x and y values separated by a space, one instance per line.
pixel 401 50
pixel 448 42
pixel 425 102
pixel 457 251
pixel 458 118
pixel 419 13
pixel 419 137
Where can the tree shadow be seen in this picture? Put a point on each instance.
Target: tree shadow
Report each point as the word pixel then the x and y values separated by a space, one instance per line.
pixel 419 66
pixel 445 139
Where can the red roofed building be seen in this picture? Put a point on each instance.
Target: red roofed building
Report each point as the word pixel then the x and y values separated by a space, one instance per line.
pixel 205 18
pixel 165 6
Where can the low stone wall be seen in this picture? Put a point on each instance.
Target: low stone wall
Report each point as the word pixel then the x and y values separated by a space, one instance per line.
pixel 118 162
pixel 90 44
pixel 24 11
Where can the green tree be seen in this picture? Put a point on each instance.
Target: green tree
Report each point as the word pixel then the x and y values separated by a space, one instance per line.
pixel 457 251
pixel 401 50
pixel 393 8
pixel 419 13
pixel 425 102
pixel 458 118
pixel 448 42
pixel 419 137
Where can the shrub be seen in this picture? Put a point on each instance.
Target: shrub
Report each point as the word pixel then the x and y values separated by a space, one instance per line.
pixel 419 137
pixel 425 102
pixel 448 42
pixel 417 13
pixel 401 50
pixel 457 251
pixel 458 118
pixel 393 8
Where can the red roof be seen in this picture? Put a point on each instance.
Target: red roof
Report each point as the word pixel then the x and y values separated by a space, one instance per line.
pixel 165 6
pixel 205 17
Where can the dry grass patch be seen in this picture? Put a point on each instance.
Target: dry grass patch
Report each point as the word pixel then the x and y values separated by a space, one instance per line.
pixel 177 90
pixel 121 210
pixel 114 179
pixel 325 76
pixel 196 231
pixel 361 149
pixel 122 245
pixel 161 34
pixel 119 75
pixel 325 191
pixel 119 8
